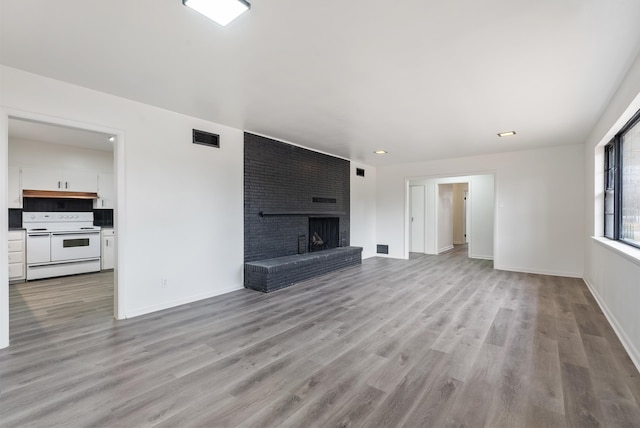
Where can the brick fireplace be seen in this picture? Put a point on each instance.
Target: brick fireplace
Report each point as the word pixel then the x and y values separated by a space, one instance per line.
pixel 296 203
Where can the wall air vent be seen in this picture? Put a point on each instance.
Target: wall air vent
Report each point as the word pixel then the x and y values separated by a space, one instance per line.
pixel 360 172
pixel 206 138
pixel 382 249
pixel 324 200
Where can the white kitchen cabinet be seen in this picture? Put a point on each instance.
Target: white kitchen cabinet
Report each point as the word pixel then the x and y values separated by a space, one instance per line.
pixel 108 255
pixel 80 181
pixel 16 255
pixel 106 191
pixel 60 180
pixel 14 197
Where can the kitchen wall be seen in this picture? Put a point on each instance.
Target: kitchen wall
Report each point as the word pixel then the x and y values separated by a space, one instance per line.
pixel 612 270
pixel 180 204
pixel 539 196
pixel 36 154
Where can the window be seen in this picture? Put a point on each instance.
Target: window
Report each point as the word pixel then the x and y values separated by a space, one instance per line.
pixel 622 184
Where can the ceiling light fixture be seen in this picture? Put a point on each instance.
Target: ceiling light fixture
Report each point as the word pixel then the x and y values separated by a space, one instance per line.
pixel 220 11
pixel 506 134
pixel 380 152
pixel 112 139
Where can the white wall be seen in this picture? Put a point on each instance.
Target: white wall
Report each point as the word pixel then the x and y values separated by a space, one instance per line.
pixel 482 198
pixel 612 272
pixel 180 212
pixel 363 210
pixel 37 154
pixel 445 217
pixel 539 195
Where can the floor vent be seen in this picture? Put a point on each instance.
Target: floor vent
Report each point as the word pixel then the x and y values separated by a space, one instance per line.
pixel 382 249
pixel 206 138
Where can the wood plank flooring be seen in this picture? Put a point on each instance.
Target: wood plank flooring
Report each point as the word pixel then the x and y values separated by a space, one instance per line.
pixel 433 341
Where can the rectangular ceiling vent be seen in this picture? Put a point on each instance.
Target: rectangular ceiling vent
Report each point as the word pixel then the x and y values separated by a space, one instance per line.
pixel 206 138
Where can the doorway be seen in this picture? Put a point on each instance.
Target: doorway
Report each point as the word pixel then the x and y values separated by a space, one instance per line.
pixel 459 210
pixel 37 128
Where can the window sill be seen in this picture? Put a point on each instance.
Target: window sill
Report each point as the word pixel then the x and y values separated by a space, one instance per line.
pixel 627 251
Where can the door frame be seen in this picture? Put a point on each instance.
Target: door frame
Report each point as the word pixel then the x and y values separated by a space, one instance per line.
pixel 119 218
pixel 452 178
pixel 411 222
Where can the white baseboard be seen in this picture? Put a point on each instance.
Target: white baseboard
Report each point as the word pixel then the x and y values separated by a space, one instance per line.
pixel 617 328
pixel 480 256
pixel 166 305
pixel 447 248
pixel 540 271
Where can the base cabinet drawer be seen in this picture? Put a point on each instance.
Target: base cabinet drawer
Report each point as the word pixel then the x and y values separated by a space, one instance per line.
pixel 16 257
pixel 16 246
pixel 16 271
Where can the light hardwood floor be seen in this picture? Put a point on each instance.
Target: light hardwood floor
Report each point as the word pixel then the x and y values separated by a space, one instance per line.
pixel 431 341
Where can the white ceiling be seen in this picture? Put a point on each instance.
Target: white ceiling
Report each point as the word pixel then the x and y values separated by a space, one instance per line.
pixel 422 79
pixel 47 133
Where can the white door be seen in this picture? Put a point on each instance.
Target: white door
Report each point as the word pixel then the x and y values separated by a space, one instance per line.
pixel 467 217
pixel 417 219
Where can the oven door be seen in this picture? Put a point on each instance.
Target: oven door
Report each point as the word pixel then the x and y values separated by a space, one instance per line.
pixel 38 247
pixel 67 246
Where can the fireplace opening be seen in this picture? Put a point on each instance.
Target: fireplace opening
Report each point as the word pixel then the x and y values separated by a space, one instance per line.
pixel 323 233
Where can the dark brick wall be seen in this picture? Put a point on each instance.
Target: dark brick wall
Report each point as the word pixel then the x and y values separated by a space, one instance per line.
pixel 283 179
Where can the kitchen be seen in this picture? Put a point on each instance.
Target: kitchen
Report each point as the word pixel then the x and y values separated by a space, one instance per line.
pixel 61 201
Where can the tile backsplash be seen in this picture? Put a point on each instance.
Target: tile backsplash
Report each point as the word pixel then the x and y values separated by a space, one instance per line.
pixel 102 217
pixel 15 218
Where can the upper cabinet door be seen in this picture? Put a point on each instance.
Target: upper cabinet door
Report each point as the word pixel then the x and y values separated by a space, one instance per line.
pixel 55 179
pixel 106 191
pixel 80 181
pixel 41 179
pixel 14 197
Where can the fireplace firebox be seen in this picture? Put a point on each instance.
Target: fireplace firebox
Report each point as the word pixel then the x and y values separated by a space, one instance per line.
pixel 324 233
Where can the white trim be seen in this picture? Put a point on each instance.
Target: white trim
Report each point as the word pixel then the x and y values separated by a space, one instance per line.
pixel 627 344
pixel 480 257
pixel 168 305
pixel 120 220
pixel 539 271
pixel 627 251
pixel 4 263
pixel 447 248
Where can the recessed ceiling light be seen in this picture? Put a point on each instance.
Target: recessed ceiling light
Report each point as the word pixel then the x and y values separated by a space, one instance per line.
pixel 220 11
pixel 380 152
pixel 112 139
pixel 506 134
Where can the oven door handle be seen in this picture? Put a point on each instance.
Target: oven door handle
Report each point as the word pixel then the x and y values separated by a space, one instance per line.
pixel 35 235
pixel 80 232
